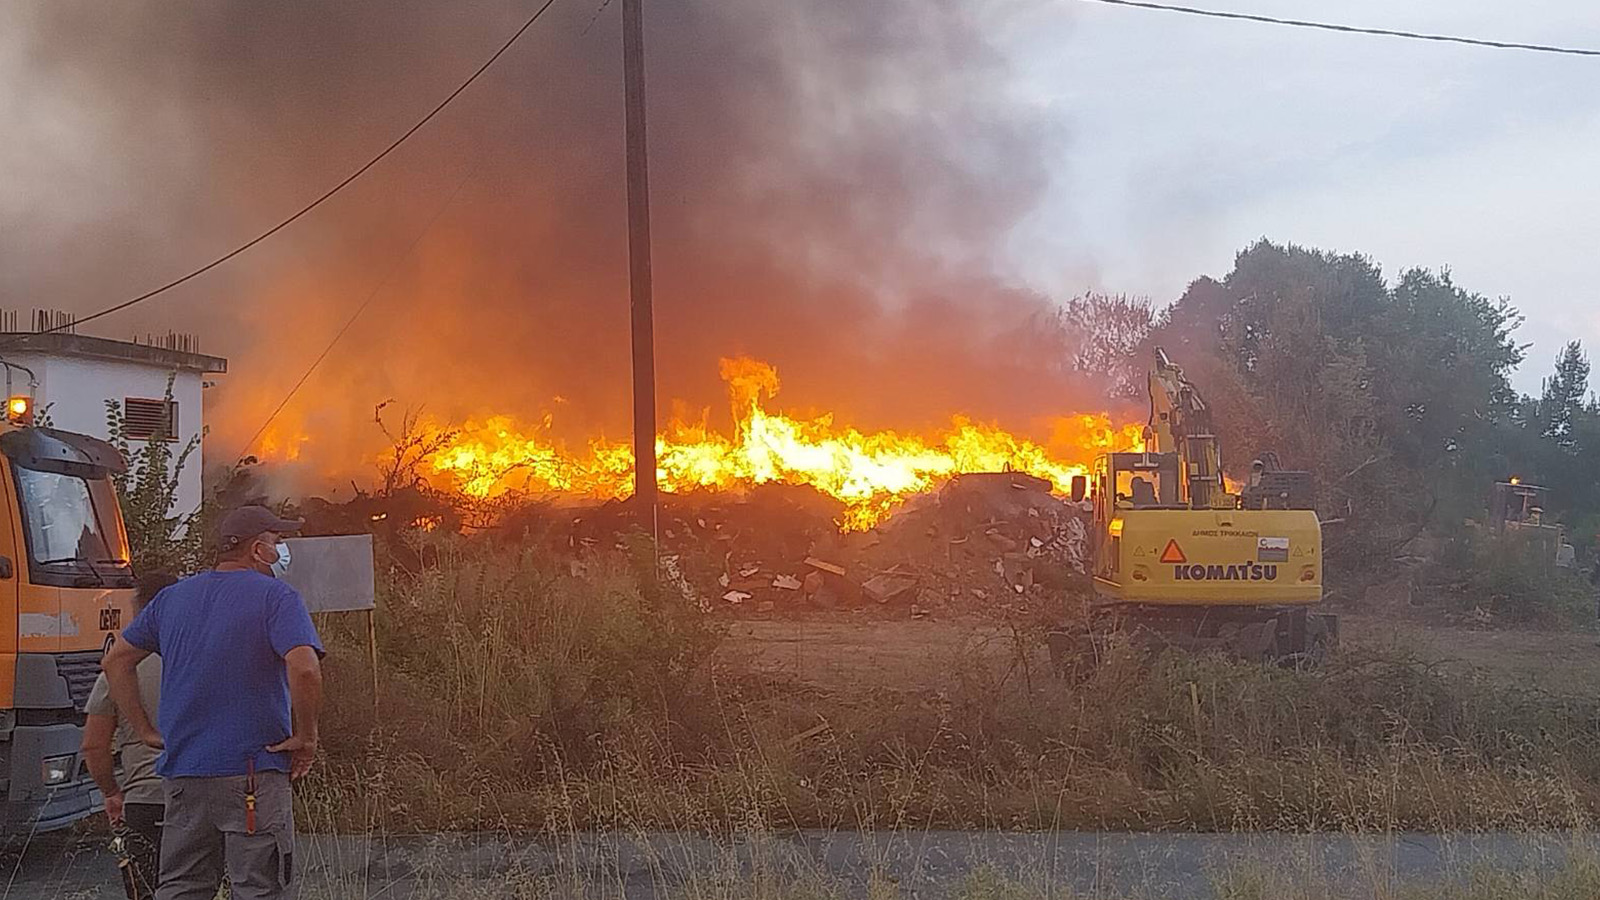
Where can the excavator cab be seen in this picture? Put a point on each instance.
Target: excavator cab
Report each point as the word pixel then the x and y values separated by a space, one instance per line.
pixel 1129 481
pixel 1138 480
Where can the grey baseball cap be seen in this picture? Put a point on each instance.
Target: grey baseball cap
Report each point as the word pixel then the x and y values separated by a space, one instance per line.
pixel 245 522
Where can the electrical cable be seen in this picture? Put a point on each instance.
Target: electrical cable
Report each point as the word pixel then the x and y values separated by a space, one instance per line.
pixel 317 202
pixel 372 295
pixel 1349 29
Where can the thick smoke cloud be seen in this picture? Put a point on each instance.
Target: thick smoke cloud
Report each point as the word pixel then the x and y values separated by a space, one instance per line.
pixel 833 184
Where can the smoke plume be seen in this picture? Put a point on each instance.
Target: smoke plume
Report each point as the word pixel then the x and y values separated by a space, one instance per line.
pixel 833 184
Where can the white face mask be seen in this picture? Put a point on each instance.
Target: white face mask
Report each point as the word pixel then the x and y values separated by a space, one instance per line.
pixel 280 563
pixel 280 566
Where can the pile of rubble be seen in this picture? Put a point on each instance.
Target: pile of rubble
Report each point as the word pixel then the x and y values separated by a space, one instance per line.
pixel 774 549
pixel 980 538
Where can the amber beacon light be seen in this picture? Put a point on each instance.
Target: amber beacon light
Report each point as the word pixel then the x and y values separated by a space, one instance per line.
pixel 20 410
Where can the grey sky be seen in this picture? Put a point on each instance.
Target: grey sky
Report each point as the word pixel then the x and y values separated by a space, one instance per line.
pixel 1190 137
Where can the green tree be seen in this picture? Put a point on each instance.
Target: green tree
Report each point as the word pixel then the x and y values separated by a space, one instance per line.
pixel 1564 397
pixel 1390 395
pixel 1556 443
pixel 1443 358
pixel 160 536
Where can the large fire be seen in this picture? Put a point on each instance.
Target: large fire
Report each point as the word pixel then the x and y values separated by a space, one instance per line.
pixel 870 472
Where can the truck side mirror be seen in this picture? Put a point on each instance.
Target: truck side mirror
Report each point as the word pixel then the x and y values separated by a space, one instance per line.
pixel 1080 487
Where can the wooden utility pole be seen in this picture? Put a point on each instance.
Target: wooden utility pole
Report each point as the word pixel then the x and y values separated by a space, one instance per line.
pixel 644 351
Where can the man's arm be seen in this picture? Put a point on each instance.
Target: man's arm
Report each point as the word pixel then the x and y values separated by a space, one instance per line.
pixel 305 698
pixel 121 667
pixel 97 732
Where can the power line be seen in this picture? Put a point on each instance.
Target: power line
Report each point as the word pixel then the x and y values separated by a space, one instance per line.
pixel 322 199
pixel 1350 29
pixel 376 290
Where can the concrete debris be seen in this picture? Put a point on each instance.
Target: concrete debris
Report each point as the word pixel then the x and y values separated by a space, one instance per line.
pixel 823 566
pixel 736 597
pixel 1000 540
pixel 888 586
pixel 786 583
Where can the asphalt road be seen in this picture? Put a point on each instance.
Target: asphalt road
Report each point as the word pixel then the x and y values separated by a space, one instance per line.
pixel 921 865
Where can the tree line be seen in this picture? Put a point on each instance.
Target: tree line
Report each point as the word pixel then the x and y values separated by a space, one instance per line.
pixel 1397 395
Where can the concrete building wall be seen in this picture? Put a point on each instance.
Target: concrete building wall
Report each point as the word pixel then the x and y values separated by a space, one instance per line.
pixel 74 391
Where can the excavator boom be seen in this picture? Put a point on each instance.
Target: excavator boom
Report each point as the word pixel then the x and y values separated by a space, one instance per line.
pixel 1180 422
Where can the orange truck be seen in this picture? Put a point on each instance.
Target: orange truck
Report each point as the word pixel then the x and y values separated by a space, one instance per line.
pixel 66 587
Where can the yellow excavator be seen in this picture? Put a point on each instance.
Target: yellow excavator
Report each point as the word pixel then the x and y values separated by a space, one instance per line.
pixel 1177 553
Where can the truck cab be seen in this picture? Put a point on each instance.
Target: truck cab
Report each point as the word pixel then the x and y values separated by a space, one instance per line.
pixel 66 588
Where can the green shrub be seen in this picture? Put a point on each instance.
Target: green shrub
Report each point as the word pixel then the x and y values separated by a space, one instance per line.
pixel 160 536
pixel 1508 579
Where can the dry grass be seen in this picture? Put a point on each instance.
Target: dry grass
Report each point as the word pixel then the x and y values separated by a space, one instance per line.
pixel 1255 879
pixel 520 694
pixel 1578 879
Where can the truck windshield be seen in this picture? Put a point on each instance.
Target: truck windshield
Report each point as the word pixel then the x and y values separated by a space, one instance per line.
pixel 71 519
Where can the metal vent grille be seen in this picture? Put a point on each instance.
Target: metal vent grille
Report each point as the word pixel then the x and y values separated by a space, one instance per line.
pixel 80 671
pixel 146 419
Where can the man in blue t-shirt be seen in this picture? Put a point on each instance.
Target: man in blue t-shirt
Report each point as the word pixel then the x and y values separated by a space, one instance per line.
pixel 241 687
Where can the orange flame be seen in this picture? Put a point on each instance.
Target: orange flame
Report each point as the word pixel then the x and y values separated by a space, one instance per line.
pixel 281 444
pixel 870 472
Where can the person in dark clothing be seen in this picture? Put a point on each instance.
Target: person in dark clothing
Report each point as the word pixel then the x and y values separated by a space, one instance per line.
pixel 135 802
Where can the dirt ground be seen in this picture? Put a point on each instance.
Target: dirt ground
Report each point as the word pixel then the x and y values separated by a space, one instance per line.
pixel 1557 661
pixel 842 650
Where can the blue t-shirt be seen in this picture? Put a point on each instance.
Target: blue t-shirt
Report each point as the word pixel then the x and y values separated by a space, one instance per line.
pixel 222 637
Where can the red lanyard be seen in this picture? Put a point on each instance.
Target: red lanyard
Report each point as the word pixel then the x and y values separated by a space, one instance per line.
pixel 250 797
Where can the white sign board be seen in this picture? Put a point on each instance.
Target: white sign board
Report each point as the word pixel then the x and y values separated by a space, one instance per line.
pixel 333 574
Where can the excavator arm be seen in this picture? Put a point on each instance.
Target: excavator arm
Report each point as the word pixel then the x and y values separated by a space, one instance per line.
pixel 1180 422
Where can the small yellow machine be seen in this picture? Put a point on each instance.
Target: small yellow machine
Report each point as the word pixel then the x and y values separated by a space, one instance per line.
pixel 66 585
pixel 1176 552
pixel 1516 510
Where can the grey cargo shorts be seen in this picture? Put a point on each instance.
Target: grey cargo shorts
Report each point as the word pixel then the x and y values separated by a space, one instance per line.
pixel 206 838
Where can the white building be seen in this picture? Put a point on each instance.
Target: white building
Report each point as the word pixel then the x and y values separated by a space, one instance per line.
pixel 74 375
